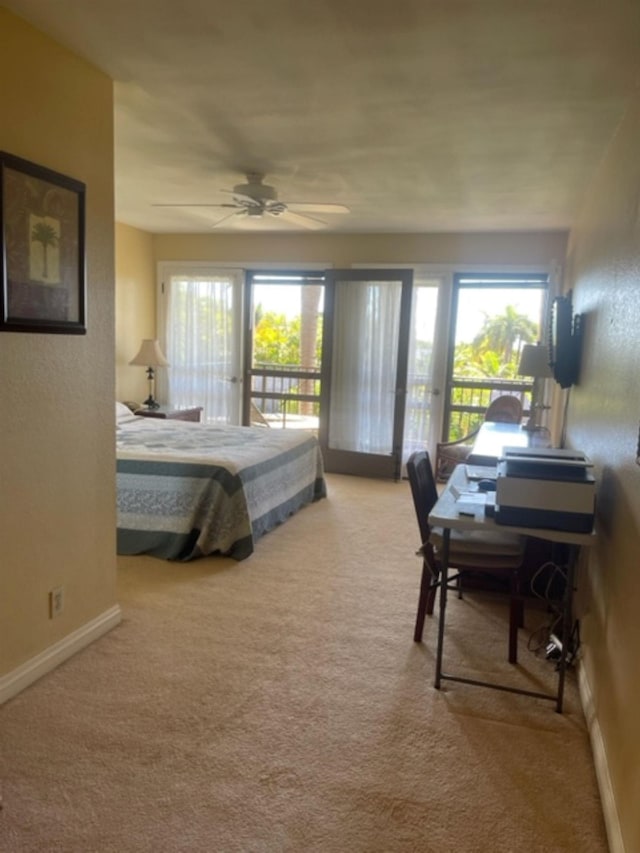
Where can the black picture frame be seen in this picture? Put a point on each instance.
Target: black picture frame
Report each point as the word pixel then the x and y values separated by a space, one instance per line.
pixel 42 264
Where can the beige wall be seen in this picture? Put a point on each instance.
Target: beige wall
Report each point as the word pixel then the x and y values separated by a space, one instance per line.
pixel 604 417
pixel 57 490
pixel 348 249
pixel 135 307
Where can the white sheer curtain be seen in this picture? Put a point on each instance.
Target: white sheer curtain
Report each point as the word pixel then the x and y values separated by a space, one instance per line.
pixel 201 342
pixel 365 357
pixel 418 421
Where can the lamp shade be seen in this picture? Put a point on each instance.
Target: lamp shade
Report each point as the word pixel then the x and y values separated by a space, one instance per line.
pixel 534 361
pixel 150 355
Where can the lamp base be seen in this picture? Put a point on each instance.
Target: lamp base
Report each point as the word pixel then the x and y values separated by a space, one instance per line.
pixel 150 403
pixel 532 424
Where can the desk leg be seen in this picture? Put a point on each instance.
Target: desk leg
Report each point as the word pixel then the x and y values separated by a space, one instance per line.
pixel 567 622
pixel 444 570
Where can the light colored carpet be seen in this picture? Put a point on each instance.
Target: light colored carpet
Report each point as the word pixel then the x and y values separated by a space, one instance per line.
pixel 280 704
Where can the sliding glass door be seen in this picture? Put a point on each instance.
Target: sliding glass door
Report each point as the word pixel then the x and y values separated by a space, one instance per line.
pixel 365 345
pixel 492 317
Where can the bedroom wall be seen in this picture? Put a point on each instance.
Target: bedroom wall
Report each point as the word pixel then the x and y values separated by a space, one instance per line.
pixel 603 419
pixel 135 307
pixel 57 489
pixel 347 249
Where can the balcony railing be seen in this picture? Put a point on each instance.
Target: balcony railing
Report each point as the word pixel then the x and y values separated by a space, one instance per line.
pixel 279 391
pixel 286 391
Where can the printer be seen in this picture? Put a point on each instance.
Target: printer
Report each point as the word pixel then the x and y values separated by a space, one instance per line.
pixel 544 487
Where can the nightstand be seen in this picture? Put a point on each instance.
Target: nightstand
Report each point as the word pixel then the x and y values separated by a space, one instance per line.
pixel 172 414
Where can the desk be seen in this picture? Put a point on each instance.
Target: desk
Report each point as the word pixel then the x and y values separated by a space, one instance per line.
pixel 492 438
pixel 445 514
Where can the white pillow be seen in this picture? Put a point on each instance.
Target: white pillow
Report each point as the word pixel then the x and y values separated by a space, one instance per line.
pixel 122 411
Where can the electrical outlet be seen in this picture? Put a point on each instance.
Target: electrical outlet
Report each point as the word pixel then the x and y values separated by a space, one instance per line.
pixel 56 601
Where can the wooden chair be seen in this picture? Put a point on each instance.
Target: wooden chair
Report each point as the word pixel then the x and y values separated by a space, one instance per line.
pixel 489 554
pixel 504 409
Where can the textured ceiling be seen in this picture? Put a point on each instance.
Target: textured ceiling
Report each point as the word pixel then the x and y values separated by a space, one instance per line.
pixel 420 115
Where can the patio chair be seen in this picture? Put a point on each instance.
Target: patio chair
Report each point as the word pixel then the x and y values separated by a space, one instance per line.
pixel 504 409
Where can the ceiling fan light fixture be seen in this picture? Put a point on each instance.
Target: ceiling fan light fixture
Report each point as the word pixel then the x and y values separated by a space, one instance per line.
pixel 276 208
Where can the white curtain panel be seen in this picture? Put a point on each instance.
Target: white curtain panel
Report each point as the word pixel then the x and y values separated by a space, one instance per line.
pixel 365 357
pixel 420 380
pixel 200 342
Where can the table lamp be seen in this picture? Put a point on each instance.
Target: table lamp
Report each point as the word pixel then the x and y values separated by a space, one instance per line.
pixel 150 356
pixel 534 361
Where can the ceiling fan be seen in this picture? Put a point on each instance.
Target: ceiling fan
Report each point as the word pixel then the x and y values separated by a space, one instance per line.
pixel 256 199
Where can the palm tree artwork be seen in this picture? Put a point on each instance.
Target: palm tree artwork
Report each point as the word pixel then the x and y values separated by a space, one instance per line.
pixel 45 234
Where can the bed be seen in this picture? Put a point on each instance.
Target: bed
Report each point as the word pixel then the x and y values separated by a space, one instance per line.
pixel 185 490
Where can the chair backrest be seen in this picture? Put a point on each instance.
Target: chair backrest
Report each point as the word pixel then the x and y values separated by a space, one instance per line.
pixel 423 489
pixel 505 409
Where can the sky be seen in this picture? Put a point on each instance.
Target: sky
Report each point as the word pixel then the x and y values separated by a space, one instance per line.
pixel 475 305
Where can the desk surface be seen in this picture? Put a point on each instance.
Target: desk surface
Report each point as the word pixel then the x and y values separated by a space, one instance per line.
pixel 492 437
pixel 446 513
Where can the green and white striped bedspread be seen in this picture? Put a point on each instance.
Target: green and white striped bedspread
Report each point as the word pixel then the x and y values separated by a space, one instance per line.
pixel 187 489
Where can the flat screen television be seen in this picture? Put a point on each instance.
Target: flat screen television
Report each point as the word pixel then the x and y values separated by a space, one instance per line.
pixel 565 339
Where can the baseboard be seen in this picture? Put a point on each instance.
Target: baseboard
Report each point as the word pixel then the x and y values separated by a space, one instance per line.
pixel 609 809
pixel 16 681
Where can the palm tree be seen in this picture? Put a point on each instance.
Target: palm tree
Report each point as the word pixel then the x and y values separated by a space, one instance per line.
pixel 502 332
pixel 309 307
pixel 45 234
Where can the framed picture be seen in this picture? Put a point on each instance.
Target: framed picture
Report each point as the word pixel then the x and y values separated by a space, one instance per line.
pixel 42 220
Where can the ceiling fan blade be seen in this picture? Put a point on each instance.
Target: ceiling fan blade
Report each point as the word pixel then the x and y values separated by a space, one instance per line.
pixel 193 204
pixel 320 207
pixel 301 219
pixel 228 216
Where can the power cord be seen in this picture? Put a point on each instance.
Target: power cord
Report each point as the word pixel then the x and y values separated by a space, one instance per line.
pixel 545 638
pixel 556 572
